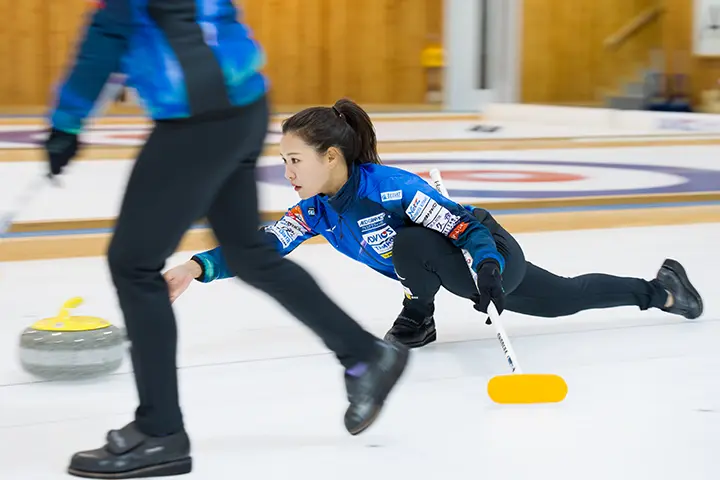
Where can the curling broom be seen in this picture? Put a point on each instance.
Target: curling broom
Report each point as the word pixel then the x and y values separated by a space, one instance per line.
pixel 517 387
pixel 110 91
pixel 26 197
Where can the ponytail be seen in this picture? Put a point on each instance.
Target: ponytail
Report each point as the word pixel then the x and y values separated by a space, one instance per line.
pixel 360 122
pixel 345 126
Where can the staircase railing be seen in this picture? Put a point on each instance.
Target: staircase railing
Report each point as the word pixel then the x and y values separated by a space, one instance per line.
pixel 642 20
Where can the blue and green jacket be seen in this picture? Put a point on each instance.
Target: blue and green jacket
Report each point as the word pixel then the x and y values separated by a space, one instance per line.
pixel 362 219
pixel 183 57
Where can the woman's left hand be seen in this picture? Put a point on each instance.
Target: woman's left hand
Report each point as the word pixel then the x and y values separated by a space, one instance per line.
pixel 489 283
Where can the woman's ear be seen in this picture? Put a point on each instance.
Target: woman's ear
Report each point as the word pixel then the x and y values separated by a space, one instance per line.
pixel 333 155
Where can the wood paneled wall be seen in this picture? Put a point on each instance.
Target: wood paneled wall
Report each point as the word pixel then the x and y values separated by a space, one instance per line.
pixel 318 50
pixel 704 72
pixel 36 39
pixel 564 59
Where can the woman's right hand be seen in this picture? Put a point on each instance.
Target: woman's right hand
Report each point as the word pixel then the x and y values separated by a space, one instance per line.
pixel 179 278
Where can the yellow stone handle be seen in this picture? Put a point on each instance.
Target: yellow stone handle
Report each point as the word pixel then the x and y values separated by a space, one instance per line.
pixel 67 306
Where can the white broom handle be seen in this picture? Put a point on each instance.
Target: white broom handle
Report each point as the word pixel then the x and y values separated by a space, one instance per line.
pixel 492 310
pixel 23 200
pixel 107 95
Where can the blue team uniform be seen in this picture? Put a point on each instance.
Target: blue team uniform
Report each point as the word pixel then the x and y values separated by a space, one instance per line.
pixel 362 219
pixel 184 57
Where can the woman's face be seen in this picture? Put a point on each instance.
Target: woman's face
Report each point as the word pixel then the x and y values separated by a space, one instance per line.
pixel 307 171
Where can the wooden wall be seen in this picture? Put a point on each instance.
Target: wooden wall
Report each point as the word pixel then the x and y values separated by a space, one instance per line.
pixel 35 40
pixel 704 72
pixel 563 56
pixel 318 50
pixel 564 60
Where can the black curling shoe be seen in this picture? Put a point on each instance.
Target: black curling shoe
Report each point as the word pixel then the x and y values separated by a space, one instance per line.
pixel 686 300
pixel 369 384
pixel 412 332
pixel 130 453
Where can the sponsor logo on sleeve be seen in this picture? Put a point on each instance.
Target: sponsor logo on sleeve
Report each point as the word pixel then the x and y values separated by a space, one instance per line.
pixel 430 214
pixel 289 228
pixel 457 231
pixel 443 222
pixel 390 196
pixel 296 214
pixel 417 205
pixel 285 237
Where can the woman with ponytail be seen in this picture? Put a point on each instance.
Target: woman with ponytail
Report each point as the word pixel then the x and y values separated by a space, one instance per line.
pixel 396 223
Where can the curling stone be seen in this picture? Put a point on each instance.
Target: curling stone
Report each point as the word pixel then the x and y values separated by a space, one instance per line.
pixel 71 347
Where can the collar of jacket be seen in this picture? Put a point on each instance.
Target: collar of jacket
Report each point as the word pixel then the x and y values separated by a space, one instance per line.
pixel 348 193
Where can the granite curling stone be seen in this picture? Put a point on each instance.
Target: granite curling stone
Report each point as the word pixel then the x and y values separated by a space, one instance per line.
pixel 71 347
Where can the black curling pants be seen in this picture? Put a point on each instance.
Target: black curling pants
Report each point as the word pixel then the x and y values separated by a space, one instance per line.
pixel 204 166
pixel 427 261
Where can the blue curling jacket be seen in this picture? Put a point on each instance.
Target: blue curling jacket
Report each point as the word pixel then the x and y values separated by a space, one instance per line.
pixel 183 57
pixel 362 219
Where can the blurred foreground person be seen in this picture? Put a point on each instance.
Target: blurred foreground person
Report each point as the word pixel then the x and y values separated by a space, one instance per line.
pixel 197 71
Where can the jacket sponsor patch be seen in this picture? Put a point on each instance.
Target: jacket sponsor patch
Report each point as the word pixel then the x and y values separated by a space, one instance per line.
pixel 390 196
pixel 368 223
pixel 430 214
pixel 417 205
pixel 382 240
pixel 288 229
pixel 443 222
pixel 296 214
pixel 457 231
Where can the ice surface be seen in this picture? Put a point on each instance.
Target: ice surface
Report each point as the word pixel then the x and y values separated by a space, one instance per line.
pixel 264 399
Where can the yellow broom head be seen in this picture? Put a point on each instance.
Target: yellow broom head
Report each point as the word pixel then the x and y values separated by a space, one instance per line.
pixel 527 388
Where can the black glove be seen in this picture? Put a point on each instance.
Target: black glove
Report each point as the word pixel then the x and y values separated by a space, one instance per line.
pixel 61 147
pixel 489 283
